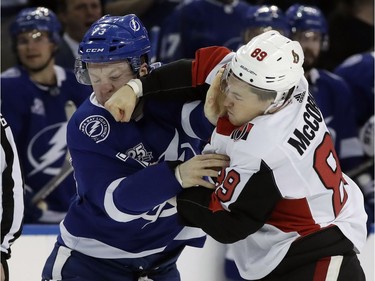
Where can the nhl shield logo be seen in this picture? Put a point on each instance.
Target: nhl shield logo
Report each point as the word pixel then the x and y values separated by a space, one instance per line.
pixel 96 127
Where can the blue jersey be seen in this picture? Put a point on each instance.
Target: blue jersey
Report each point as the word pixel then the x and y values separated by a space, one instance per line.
pixel 126 187
pixel 358 72
pixel 37 116
pixel 334 99
pixel 200 24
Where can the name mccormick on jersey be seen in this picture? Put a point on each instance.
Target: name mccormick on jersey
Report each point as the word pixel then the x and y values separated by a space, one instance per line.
pixel 124 170
pixel 305 133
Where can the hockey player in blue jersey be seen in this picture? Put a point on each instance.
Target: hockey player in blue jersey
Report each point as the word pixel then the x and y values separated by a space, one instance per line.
pixel 34 95
pixel 123 223
pixel 331 92
pixel 197 24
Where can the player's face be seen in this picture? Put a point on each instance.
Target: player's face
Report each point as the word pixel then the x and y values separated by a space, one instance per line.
pixel 241 103
pixel 311 44
pixel 107 78
pixel 34 49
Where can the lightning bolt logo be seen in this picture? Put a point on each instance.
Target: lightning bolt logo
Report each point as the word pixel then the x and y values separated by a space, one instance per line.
pixel 54 153
pixel 96 127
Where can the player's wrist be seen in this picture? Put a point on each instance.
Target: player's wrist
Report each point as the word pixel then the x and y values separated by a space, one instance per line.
pixel 178 175
pixel 136 85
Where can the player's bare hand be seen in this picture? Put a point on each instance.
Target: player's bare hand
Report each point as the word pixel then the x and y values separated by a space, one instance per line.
pixel 214 104
pixel 122 103
pixel 207 165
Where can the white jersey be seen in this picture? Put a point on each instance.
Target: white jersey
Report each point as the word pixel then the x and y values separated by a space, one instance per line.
pixel 294 150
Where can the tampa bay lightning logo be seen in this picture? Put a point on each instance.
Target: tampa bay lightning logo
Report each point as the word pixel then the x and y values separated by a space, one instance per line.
pixel 134 25
pixel 96 127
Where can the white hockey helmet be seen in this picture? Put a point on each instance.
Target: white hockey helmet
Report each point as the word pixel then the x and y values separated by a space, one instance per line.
pixel 271 62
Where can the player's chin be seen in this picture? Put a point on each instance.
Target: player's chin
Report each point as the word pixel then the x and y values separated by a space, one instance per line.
pixel 233 120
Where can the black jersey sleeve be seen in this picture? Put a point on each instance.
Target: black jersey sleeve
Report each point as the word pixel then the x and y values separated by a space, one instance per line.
pixel 173 80
pixel 186 78
pixel 198 207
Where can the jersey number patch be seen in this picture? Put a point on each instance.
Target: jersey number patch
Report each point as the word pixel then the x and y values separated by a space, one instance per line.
pixel 327 166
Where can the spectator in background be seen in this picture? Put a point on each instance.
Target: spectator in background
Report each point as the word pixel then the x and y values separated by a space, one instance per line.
pixel 76 17
pixel 34 95
pixel 11 199
pixel 351 31
pixel 199 24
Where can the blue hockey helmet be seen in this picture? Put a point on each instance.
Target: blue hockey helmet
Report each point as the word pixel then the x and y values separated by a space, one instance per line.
pixel 37 18
pixel 307 18
pixel 267 16
pixel 113 39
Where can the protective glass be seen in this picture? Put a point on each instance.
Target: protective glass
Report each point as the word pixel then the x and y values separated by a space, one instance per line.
pixel 81 72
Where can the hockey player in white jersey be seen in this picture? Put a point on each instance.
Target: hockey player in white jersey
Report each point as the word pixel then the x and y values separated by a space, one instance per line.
pixel 283 206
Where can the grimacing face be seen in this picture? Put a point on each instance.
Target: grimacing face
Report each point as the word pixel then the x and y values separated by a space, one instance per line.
pixel 107 78
pixel 241 102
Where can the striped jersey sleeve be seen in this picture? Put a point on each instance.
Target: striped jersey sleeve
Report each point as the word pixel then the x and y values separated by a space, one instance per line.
pixel 11 199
